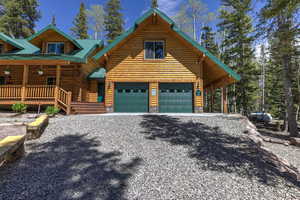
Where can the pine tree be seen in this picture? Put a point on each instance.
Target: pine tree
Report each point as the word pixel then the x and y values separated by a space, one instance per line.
pixel 113 20
pixel 208 40
pixel 236 24
pixel 31 13
pixel 53 21
pixel 278 20
pixel 80 29
pixel 18 18
pixel 154 4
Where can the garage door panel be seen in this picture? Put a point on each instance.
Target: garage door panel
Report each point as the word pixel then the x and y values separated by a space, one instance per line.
pixel 131 97
pixel 176 97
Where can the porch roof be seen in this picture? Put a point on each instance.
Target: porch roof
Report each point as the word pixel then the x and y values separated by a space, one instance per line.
pixel 99 73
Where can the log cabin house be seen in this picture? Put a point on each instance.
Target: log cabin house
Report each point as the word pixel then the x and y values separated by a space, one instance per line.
pixel 152 67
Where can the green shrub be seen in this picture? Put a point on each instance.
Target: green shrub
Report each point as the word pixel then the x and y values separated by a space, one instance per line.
pixel 51 110
pixel 19 108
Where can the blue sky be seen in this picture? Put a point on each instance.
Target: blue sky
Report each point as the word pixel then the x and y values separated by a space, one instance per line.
pixel 66 10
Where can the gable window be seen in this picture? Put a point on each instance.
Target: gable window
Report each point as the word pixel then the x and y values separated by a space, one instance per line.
pixel 55 47
pixel 154 50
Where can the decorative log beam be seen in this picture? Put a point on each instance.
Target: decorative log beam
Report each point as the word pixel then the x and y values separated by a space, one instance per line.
pixel 221 82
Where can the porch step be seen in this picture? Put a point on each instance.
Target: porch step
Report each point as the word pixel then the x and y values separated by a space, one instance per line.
pixel 88 108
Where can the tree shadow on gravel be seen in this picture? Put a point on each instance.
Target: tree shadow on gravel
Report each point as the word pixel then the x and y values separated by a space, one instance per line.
pixel 214 149
pixel 69 167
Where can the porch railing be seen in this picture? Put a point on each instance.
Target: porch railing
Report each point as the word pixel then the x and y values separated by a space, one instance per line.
pixel 63 99
pixel 10 92
pixel 40 92
pixel 37 93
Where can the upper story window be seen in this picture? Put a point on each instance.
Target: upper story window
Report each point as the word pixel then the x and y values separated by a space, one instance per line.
pixel 154 50
pixel 55 47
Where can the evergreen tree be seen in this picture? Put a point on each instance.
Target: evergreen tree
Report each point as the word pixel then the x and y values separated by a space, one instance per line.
pixel 154 4
pixel 18 18
pixel 208 40
pixel 31 13
pixel 278 19
pixel 53 22
pixel 236 24
pixel 113 20
pixel 80 29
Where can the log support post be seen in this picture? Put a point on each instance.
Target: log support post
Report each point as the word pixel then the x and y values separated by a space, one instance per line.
pixel 58 76
pixel 69 101
pixel 224 100
pixel 24 82
pixel 212 100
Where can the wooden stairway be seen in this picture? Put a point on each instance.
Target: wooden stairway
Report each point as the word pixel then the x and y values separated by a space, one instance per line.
pixel 87 108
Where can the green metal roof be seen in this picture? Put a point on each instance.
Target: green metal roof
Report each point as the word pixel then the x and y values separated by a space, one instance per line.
pixel 28 51
pixel 54 28
pixel 28 47
pixel 10 41
pixel 174 28
pixel 99 73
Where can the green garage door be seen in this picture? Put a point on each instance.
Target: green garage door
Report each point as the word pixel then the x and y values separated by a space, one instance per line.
pixel 176 98
pixel 131 97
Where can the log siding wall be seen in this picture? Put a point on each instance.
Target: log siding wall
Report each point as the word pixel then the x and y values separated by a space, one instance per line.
pixel 181 63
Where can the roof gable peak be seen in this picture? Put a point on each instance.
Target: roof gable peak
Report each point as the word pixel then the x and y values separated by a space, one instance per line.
pixel 54 28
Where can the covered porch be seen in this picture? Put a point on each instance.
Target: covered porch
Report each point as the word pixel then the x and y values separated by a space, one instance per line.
pixel 42 82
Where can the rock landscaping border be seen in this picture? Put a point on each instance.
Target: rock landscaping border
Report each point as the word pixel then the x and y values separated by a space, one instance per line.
pixel 281 164
pixel 35 129
pixel 11 148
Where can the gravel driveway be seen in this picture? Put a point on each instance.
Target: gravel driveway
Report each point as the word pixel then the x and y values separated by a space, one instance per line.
pixel 147 157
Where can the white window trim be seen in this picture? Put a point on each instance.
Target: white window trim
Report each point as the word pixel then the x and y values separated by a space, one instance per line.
pixel 154 41
pixel 53 43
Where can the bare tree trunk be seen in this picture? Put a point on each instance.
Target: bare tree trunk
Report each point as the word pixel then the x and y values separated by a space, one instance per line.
pixel 285 127
pixel 297 112
pixel 292 123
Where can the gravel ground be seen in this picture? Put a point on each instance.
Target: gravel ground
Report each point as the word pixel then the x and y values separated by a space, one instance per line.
pixel 290 153
pixel 144 157
pixel 12 118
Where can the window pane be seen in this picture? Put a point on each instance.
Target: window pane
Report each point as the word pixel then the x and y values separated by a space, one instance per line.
pixel 56 48
pixel 159 50
pixel 60 48
pixel 51 48
pixel 149 50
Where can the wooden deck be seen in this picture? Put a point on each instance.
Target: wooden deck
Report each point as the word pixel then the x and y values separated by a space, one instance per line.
pixel 36 95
